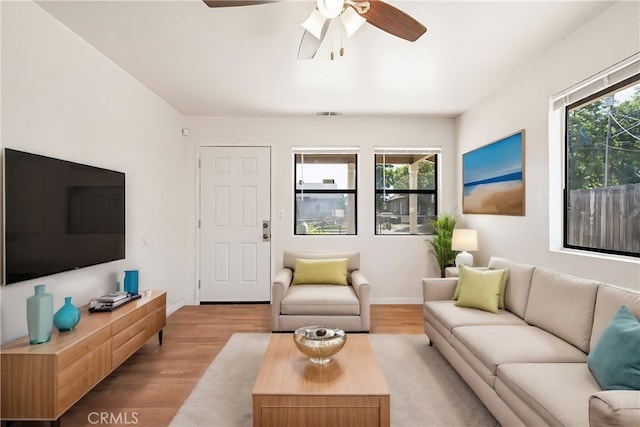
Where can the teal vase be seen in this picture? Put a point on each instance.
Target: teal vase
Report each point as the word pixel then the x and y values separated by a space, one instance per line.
pixel 39 316
pixel 67 317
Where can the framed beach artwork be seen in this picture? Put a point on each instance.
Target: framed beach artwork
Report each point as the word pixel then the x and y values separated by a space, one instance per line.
pixel 493 178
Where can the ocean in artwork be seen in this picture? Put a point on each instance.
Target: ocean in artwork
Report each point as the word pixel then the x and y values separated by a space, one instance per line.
pixel 494 179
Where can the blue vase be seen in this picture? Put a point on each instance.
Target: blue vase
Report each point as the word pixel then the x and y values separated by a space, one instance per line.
pixel 131 281
pixel 39 316
pixel 67 317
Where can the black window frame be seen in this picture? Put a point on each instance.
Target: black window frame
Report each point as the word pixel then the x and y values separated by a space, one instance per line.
pixel 566 152
pixel 301 191
pixel 378 192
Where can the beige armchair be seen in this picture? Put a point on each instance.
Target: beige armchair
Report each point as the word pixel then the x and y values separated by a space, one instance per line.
pixel 345 307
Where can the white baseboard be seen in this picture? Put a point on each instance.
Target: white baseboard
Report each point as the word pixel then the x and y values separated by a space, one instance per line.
pixel 403 300
pixel 175 307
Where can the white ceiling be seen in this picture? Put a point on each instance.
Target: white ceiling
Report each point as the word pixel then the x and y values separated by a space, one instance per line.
pixel 241 61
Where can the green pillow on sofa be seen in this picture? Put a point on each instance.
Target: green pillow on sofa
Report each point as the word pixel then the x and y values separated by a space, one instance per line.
pixel 320 271
pixel 480 273
pixel 614 360
pixel 480 289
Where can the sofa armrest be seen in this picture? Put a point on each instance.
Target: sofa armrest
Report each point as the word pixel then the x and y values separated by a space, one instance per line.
pixel 615 408
pixel 362 288
pixel 437 289
pixel 281 283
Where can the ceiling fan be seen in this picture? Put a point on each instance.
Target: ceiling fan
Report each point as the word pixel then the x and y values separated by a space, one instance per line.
pixel 352 13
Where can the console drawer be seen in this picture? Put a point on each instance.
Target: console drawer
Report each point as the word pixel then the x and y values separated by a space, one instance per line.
pixel 121 354
pixel 86 372
pixel 160 301
pixel 125 335
pixel 79 349
pixel 156 320
pixel 127 320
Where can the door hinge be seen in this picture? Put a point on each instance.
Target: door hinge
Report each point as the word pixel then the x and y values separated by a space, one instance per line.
pixel 198 284
pixel 199 224
pixel 200 163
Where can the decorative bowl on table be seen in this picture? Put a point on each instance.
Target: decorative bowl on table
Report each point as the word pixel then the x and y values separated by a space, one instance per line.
pixel 319 343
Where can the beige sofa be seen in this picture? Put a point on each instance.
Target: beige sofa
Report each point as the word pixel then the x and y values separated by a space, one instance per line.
pixel 528 362
pixel 335 306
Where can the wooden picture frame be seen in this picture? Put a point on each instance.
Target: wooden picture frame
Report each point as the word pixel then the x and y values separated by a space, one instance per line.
pixel 493 177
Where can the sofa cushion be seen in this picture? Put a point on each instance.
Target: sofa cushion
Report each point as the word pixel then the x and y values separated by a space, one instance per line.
pixel 487 347
pixel 563 305
pixel 557 392
pixel 320 300
pixel 610 299
pixel 320 271
pixel 480 289
pixel 445 315
pixel 615 359
pixel 518 282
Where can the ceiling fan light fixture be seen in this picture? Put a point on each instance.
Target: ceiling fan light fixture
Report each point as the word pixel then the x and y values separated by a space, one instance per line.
pixel 351 20
pixel 330 8
pixel 314 24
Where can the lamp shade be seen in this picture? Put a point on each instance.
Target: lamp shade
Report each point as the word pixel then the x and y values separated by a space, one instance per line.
pixel 464 239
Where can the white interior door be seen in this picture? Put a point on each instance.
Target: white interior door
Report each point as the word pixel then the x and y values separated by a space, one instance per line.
pixel 235 205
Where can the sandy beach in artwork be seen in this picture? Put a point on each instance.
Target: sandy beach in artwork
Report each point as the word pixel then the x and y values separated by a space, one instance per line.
pixel 502 198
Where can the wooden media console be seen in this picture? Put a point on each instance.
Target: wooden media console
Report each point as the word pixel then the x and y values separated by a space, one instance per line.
pixel 42 381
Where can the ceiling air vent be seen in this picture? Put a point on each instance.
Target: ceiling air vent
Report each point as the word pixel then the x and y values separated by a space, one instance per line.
pixel 328 113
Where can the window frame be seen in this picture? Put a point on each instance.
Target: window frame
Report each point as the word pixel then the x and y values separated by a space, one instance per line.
pixel 584 101
pixel 325 151
pixel 399 151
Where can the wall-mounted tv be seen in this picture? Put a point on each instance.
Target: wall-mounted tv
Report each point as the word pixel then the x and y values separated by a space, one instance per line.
pixel 59 216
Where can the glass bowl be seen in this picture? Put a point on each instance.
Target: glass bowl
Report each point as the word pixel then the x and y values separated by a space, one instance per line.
pixel 319 343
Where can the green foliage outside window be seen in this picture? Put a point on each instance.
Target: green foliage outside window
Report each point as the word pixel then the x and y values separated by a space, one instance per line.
pixel 603 140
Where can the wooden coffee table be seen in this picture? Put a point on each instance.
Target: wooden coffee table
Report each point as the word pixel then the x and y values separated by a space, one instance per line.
pixel 350 390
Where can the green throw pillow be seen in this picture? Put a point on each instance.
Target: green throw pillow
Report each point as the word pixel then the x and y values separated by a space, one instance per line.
pixel 320 271
pixel 486 272
pixel 615 358
pixel 480 290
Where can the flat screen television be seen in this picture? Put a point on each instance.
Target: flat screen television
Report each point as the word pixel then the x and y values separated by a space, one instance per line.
pixel 59 216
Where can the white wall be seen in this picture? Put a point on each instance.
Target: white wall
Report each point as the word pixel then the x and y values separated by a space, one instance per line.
pixel 62 98
pixel 394 265
pixel 524 104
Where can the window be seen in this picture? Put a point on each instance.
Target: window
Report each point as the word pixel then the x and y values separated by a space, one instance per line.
pixel 325 191
pixel 405 190
pixel 602 170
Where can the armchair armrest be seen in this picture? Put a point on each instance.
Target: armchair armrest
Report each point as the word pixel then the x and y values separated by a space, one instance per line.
pixel 437 289
pixel 362 288
pixel 281 283
pixel 615 408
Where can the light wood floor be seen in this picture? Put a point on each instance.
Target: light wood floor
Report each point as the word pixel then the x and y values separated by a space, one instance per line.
pixel 150 387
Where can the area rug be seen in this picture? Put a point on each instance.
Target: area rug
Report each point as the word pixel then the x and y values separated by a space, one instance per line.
pixel 425 389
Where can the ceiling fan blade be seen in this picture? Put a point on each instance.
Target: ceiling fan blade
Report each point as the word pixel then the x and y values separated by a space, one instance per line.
pixel 394 21
pixel 309 44
pixel 232 3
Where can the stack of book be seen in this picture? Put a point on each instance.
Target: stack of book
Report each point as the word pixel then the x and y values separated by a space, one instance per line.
pixel 113 300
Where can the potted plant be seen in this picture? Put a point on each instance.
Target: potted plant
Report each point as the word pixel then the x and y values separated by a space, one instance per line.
pixel 443 227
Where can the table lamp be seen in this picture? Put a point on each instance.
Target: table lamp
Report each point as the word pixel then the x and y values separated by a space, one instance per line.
pixel 464 240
